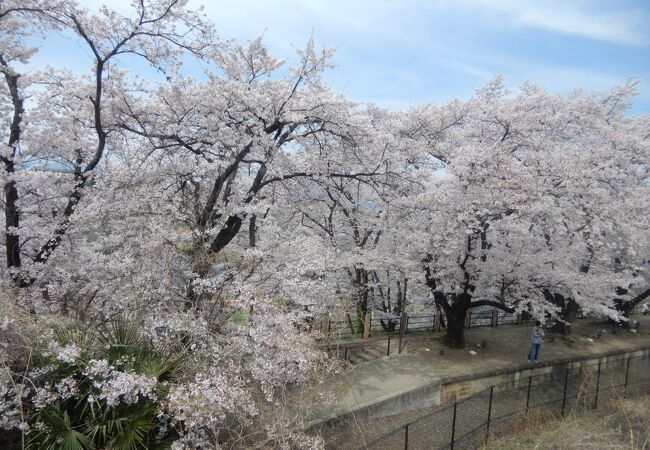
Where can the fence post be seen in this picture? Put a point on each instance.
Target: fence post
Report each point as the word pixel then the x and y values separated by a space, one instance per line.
pixel 402 331
pixel 325 324
pixel 566 383
pixel 627 376
pixel 453 426
pixel 468 319
pixel 487 429
pixel 388 347
pixel 495 318
pixel 345 356
pixel 436 321
pixel 530 382
pixel 366 325
pixel 597 386
pixel 406 280
pixel 406 436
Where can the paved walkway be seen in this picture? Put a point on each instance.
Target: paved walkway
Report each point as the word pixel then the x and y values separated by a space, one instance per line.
pixel 420 363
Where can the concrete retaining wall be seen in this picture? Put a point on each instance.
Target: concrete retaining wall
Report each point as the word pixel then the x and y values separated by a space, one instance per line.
pixel 468 384
pixel 423 396
pixel 442 391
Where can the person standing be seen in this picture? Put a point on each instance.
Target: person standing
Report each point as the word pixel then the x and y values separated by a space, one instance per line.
pixel 537 336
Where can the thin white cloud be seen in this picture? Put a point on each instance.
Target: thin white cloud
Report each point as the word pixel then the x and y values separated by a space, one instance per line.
pixel 466 68
pixel 596 19
pixel 400 52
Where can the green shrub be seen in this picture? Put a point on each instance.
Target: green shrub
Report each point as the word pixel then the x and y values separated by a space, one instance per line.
pixel 101 390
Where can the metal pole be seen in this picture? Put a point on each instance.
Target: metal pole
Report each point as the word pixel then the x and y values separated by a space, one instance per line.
pixel 627 376
pixel 453 426
pixel 597 386
pixel 406 436
pixel 566 382
pixel 487 430
pixel 406 280
pixel 402 331
pixel 388 348
pixel 530 381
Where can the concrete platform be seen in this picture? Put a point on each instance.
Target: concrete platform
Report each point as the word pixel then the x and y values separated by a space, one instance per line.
pixel 420 377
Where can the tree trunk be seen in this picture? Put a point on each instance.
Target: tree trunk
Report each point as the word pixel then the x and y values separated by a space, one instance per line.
pixel 568 314
pixel 455 337
pixel 252 231
pixel 12 224
pixel 201 264
pixel 387 304
pixel 625 308
pixel 361 292
pixel 455 317
pixel 12 214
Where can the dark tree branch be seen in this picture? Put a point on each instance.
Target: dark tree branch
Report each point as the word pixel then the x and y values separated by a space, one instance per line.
pixel 498 305
pixel 12 213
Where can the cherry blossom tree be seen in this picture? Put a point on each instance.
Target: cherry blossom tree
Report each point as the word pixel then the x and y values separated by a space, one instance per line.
pixel 105 235
pixel 356 217
pixel 231 152
pixel 74 115
pixel 514 168
pixel 220 215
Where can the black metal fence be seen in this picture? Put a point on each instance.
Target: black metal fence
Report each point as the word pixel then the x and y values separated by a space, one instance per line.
pixel 370 349
pixel 553 392
pixel 423 321
pixel 384 343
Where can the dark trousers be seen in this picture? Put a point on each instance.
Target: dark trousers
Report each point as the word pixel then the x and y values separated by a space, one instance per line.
pixel 534 351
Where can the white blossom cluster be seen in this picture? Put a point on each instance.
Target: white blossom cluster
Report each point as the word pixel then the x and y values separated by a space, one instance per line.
pixel 116 386
pixel 196 438
pixel 68 354
pixel 164 330
pixel 278 354
pixel 124 387
pixel 206 401
pixel 111 385
pixel 62 390
pixel 11 398
pixel 6 322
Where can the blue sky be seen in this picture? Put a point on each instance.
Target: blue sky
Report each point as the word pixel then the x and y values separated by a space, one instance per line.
pixel 397 53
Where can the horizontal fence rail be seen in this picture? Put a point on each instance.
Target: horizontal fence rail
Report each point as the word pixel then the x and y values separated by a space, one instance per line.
pixel 470 422
pixel 351 325
pixel 393 330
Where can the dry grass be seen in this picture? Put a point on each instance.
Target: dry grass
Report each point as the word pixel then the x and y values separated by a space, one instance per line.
pixel 621 424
